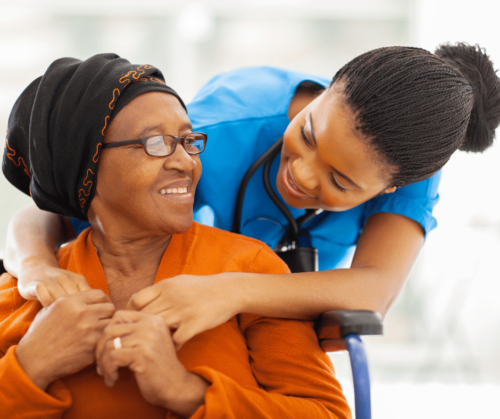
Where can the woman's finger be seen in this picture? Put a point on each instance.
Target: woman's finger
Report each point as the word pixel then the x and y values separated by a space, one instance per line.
pixel 122 324
pixel 103 311
pixel 143 297
pixel 109 347
pixel 111 332
pixel 126 316
pixel 114 359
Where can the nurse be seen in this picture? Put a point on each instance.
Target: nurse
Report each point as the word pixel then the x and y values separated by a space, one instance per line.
pixel 366 148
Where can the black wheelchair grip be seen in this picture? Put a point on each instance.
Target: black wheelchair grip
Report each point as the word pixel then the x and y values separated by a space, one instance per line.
pixel 337 324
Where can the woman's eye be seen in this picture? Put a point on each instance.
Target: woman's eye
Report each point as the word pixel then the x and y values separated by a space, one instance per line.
pixel 304 137
pixel 334 181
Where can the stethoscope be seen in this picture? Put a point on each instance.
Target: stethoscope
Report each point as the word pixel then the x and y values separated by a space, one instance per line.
pixel 295 247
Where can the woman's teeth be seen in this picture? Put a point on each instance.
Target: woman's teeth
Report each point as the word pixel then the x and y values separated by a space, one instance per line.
pixel 173 190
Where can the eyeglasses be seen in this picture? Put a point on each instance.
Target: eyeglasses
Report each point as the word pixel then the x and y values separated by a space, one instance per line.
pixel 163 145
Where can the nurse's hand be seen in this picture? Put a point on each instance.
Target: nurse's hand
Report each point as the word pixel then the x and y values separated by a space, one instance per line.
pixel 146 348
pixel 39 281
pixel 190 304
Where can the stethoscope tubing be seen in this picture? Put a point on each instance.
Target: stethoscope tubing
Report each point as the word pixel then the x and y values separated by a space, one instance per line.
pixel 244 183
pixel 266 159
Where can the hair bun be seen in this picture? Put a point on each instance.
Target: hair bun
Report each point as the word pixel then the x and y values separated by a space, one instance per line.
pixel 476 67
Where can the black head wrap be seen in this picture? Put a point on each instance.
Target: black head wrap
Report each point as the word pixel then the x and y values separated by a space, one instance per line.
pixel 57 126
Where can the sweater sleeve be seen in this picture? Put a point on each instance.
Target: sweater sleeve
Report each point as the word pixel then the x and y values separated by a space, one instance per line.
pixel 295 376
pixel 19 396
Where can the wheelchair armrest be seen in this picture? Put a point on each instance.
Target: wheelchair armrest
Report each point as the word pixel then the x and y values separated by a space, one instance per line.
pixel 333 326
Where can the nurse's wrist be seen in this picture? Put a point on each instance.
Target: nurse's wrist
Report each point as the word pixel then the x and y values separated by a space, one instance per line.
pixel 231 290
pixel 246 293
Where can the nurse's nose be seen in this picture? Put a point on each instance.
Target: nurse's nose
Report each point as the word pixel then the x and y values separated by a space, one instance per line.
pixel 304 174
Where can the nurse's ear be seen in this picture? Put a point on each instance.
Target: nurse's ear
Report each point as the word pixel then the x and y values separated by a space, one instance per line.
pixel 390 190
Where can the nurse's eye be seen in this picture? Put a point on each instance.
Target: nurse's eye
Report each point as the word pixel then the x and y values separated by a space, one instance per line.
pixel 334 181
pixel 304 137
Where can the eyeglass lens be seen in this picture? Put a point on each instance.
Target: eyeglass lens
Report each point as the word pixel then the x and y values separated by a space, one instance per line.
pixel 163 145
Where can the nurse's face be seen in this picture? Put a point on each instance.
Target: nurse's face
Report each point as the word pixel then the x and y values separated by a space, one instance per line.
pixel 325 162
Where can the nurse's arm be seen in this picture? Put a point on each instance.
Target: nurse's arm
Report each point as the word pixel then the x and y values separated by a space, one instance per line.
pixel 33 236
pixel 387 249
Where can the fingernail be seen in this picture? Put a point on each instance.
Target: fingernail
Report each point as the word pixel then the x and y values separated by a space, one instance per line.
pixel 109 383
pixel 98 370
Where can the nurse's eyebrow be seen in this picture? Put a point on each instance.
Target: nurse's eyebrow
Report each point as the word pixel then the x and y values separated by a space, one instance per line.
pixel 312 129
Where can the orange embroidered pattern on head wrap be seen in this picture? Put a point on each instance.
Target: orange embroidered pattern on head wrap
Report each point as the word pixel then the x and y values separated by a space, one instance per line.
pixel 10 155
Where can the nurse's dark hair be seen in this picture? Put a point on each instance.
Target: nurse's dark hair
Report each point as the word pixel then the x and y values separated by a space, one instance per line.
pixel 416 108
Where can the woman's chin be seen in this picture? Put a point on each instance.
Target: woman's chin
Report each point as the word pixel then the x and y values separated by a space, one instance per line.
pixel 178 225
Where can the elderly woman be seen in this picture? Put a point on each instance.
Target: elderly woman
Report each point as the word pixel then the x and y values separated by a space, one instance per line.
pixel 108 116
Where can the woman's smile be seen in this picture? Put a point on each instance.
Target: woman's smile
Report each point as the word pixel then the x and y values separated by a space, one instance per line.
pixel 179 191
pixel 182 195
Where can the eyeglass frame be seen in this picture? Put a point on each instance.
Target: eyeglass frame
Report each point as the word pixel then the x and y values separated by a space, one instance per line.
pixel 143 141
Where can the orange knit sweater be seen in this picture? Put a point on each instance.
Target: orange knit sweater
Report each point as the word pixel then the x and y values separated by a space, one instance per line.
pixel 257 367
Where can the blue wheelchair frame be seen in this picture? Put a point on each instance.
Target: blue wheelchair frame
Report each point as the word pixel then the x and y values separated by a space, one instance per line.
pixel 340 330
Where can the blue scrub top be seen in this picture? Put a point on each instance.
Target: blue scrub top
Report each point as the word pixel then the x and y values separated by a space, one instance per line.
pixel 244 112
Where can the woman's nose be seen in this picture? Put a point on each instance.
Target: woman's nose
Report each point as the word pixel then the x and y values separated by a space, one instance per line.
pixel 180 160
pixel 304 174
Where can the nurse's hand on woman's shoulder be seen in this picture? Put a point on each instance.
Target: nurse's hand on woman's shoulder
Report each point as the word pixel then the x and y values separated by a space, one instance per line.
pixel 63 337
pixel 48 283
pixel 190 304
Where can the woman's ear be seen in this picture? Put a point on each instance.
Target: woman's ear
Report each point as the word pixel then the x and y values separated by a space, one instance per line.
pixel 390 190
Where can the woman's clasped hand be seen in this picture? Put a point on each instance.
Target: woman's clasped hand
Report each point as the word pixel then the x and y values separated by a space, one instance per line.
pixel 146 348
pixel 80 328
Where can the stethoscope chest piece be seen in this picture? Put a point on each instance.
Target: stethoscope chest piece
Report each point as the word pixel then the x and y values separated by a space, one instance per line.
pixel 299 259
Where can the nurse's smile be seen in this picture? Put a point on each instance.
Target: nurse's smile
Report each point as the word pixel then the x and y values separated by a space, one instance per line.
pixel 291 187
